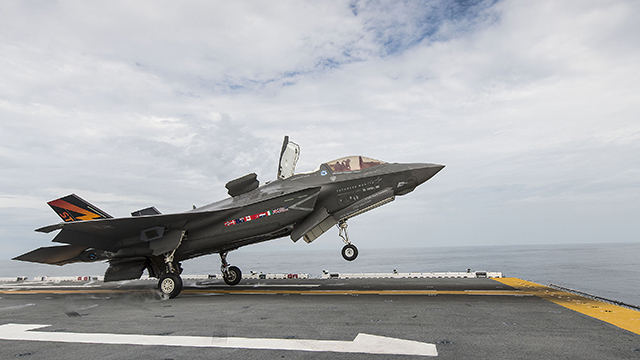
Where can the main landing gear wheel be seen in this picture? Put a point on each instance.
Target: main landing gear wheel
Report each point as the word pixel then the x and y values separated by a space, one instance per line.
pixel 349 252
pixel 232 276
pixel 170 284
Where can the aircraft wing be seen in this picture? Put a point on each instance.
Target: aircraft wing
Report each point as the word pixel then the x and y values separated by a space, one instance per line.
pixel 91 240
pixel 114 234
pixel 137 236
pixel 100 239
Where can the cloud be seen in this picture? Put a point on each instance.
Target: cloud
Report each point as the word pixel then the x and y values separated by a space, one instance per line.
pixel 532 106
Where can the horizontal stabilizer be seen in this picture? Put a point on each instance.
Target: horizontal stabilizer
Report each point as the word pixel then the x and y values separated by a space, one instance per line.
pixel 74 208
pixel 54 255
pixel 49 228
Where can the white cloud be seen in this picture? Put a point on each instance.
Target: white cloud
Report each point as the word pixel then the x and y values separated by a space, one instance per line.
pixel 531 105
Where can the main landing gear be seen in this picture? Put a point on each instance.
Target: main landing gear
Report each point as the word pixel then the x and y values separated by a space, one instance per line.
pixel 230 274
pixel 349 251
pixel 170 283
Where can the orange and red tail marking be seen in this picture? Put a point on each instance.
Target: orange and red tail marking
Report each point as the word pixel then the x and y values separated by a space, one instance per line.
pixel 73 208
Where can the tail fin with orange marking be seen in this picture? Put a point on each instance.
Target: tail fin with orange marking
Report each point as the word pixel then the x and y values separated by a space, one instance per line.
pixel 74 208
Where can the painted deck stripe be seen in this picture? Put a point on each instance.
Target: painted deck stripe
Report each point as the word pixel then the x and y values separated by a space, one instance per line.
pixel 363 343
pixel 619 316
pixel 70 291
pixel 366 292
pixel 281 292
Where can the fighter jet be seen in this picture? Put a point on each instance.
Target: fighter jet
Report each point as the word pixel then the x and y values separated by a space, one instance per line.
pixel 301 206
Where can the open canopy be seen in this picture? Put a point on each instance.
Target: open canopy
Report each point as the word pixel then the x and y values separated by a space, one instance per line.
pixel 353 163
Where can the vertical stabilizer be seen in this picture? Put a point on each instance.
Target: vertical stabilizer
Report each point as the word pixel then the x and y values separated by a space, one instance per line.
pixel 74 208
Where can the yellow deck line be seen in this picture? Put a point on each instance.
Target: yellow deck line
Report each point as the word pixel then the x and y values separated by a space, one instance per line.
pixel 283 292
pixel 365 292
pixel 619 316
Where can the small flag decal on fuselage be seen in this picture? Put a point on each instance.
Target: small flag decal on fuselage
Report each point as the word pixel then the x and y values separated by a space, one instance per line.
pixel 256 216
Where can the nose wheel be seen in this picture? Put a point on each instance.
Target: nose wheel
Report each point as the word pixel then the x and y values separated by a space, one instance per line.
pixel 230 274
pixel 349 251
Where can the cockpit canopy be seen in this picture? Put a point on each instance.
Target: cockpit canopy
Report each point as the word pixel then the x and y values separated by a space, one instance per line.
pixel 353 163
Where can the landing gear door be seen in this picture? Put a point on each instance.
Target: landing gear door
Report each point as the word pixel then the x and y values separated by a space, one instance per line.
pixel 288 158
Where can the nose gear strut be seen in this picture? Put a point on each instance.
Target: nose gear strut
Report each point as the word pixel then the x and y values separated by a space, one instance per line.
pixel 349 251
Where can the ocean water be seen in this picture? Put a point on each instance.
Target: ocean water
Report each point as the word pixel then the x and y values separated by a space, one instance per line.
pixel 608 270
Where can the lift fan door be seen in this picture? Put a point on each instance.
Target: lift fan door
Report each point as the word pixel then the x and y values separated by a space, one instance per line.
pixel 288 158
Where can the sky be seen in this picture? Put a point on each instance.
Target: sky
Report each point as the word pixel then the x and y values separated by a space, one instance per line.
pixel 533 106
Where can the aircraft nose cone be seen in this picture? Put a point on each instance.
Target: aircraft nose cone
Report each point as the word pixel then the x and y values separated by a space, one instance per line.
pixel 424 172
pixel 416 175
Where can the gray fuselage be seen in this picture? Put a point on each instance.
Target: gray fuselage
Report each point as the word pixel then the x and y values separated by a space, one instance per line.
pixel 297 194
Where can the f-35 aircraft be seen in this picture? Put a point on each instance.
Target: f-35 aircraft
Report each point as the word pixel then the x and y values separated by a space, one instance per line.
pixel 302 206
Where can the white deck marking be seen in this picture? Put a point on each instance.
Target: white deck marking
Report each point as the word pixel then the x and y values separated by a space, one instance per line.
pixel 16 307
pixel 363 343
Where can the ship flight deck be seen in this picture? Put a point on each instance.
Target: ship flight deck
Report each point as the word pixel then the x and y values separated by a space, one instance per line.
pixel 360 316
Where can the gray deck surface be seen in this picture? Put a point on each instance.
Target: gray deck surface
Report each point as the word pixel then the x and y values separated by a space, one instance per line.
pixel 462 326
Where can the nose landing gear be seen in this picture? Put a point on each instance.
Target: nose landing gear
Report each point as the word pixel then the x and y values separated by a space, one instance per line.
pixel 349 251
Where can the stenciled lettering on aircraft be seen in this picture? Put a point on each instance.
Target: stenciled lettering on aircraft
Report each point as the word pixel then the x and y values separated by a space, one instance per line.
pixel 256 216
